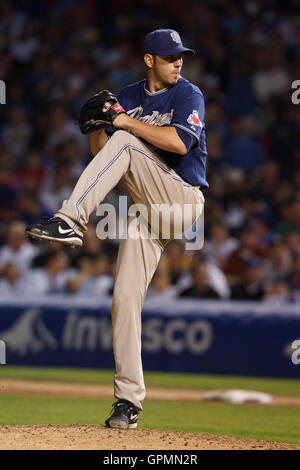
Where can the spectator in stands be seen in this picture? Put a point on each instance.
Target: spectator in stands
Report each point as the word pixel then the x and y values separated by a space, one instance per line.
pixel 241 97
pixel 250 247
pixel 278 292
pixel 28 204
pixel 200 287
pixel 74 158
pixel 292 241
pixel 17 251
pixel 11 281
pixel 33 168
pixel 12 21
pixel 161 285
pixel 9 189
pixel 177 262
pixel 93 277
pixel 17 133
pixel 268 179
pixel 216 277
pixel 294 279
pixel 288 220
pixel 260 226
pixel 281 138
pixel 219 245
pixel 236 211
pixel 93 247
pixel 81 275
pixel 252 285
pixel 215 121
pixel 63 129
pixel 50 279
pixel 278 266
pixel 102 281
pixel 56 189
pixel 243 149
pixel 215 148
pixel 270 79
pixel 24 49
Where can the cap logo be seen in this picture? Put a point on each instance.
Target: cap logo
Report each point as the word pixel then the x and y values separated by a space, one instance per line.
pixel 175 37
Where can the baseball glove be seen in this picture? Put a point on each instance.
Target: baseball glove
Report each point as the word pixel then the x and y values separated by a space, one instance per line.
pixel 99 112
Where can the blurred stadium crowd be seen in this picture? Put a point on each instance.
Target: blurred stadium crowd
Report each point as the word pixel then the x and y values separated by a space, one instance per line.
pixel 57 53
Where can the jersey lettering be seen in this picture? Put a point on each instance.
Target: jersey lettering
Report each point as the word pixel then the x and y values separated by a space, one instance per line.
pixel 155 118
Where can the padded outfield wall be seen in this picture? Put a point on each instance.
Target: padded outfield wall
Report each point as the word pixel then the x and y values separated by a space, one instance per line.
pixel 210 337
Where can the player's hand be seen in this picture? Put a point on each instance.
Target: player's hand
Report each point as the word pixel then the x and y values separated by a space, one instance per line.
pixel 99 111
pixel 121 120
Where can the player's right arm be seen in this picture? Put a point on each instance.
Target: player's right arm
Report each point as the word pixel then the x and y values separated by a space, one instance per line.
pixel 97 140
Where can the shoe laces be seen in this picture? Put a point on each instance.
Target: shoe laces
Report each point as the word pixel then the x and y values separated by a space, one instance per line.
pixel 55 219
pixel 122 405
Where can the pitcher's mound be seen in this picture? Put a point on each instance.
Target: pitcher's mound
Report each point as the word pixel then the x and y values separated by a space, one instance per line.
pixel 97 437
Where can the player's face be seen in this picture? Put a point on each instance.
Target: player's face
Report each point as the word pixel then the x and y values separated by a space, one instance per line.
pixel 166 68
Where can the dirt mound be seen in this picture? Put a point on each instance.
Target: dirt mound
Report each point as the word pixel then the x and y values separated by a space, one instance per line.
pixel 97 437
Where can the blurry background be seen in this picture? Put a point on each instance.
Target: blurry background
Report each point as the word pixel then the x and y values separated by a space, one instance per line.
pixel 56 54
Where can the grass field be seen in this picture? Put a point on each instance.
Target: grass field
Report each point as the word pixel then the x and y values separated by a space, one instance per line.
pixel 157 379
pixel 248 421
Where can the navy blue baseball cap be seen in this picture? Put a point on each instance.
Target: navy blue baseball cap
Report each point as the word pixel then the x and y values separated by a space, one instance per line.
pixel 164 42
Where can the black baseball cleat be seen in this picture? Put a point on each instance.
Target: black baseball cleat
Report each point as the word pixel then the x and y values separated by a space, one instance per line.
pixel 55 230
pixel 124 416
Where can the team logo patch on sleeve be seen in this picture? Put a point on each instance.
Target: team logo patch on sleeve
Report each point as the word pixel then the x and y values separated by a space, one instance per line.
pixel 194 119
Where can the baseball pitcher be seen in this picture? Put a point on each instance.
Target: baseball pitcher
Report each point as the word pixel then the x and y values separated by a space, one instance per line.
pixel 152 136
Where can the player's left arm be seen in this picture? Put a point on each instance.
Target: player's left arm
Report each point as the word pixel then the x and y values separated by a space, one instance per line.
pixel 186 125
pixel 103 109
pixel 165 137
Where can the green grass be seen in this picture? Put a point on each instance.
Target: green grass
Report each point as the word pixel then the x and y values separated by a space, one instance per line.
pixel 157 379
pixel 248 421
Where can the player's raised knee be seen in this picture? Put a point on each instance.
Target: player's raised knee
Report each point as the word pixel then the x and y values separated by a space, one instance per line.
pixel 120 134
pixel 123 136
